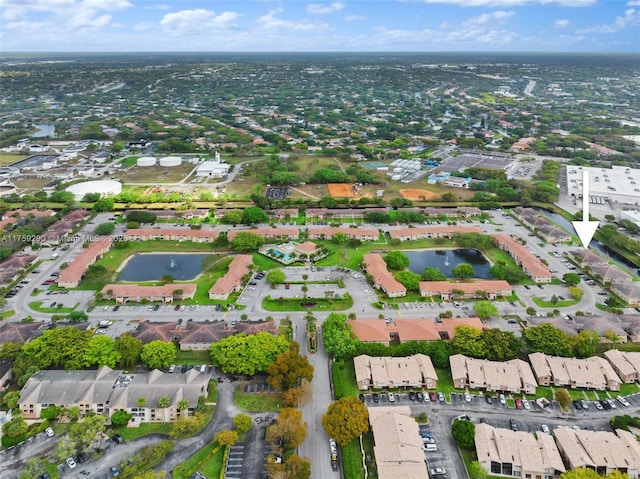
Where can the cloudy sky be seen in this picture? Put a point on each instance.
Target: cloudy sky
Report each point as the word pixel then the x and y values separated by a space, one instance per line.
pixel 342 25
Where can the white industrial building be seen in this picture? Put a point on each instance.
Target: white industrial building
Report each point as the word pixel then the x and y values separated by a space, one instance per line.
pixel 146 161
pixel 104 187
pixel 618 184
pixel 631 215
pixel 214 168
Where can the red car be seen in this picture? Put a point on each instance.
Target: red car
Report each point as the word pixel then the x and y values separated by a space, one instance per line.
pixel 518 403
pixel 432 396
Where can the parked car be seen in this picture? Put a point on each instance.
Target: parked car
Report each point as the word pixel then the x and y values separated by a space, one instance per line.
pixel 441 397
pixel 49 432
pixel 526 404
pixel 432 397
pixel 391 397
pixel 597 405
pixel 489 399
pixel 502 399
pixel 412 396
pixel 584 403
pixel 577 405
pixel 513 424
pixel 518 403
pixel 623 401
pixel 117 438
pixel 115 471
pixel 376 398
pixel 467 397
pixel 420 397
pixel 545 429
pixel 71 462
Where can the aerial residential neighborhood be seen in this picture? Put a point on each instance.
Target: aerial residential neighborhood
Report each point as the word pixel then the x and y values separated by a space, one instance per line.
pixel 272 266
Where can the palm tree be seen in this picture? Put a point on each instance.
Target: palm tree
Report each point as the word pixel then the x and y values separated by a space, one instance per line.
pixel 141 402
pixel 183 406
pixel 164 402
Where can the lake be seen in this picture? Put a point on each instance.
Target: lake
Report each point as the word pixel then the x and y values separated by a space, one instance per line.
pixel 152 267
pixel 44 131
pixel 446 260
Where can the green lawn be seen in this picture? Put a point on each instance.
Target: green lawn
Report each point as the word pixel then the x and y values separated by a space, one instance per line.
pixel 193 357
pixel 352 460
pixel 560 304
pixel 37 306
pixel 131 433
pixel 445 381
pixel 207 461
pixel 294 304
pixel 258 402
pixel 344 379
pixel 626 389
pixel 367 442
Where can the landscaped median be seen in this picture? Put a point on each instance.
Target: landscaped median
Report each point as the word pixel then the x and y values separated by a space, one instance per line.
pixel 57 309
pixel 307 304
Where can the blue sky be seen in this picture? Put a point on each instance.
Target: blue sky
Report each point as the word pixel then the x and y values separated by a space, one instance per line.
pixel 342 25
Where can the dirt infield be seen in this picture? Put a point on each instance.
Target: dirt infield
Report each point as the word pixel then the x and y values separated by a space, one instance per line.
pixel 417 195
pixel 341 190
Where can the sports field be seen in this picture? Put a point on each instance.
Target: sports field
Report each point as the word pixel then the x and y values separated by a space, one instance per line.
pixel 417 195
pixel 341 190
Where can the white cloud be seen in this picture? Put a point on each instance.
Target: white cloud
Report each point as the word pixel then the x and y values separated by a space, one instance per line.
pixel 561 23
pixel 352 18
pixel 514 3
pixel 271 22
pixel 631 18
pixel 186 22
pixel 633 3
pixel 320 8
pixel 491 18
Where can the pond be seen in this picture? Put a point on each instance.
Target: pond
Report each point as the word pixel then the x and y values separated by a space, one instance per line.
pixel 152 267
pixel 446 260
pixel 44 131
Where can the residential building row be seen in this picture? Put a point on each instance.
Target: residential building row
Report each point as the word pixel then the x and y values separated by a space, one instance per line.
pixel 530 264
pixel 509 376
pixel 449 290
pixel 106 391
pixel 543 227
pixel 426 232
pixel 71 275
pixel 589 373
pixel 386 331
pixel 415 371
pixel 381 277
pixel 232 279
pixel 165 293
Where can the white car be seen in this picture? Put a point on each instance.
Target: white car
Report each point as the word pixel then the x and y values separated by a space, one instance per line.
pixel 392 398
pixel 71 463
pixel 526 404
pixel 467 397
pixel 545 429
pixel 49 432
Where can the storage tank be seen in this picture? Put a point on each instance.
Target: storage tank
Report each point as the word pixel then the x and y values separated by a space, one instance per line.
pixel 146 161
pixel 170 161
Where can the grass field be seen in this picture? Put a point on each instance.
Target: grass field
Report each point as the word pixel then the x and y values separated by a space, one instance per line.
pixel 193 357
pixel 259 402
pixel 344 379
pixel 560 304
pixel 37 306
pixel 207 461
pixel 8 158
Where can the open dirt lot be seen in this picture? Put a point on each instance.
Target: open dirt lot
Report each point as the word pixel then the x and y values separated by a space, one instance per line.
pixel 341 190
pixel 417 195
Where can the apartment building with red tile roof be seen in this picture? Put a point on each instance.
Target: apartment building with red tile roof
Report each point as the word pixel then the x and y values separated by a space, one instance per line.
pixel 232 280
pixel 71 275
pixel 375 266
pixel 532 266
pixel 6 222
pixel 415 371
pixel 24 213
pixel 171 234
pixel 494 288
pixel 409 329
pixel 267 233
pixel 424 232
pixel 124 292
pixel 327 232
pixel 13 266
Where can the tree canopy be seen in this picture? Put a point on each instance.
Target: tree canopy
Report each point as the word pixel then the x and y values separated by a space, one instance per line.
pixel 158 354
pixel 493 344
pixel 336 336
pixel 463 431
pixel 485 309
pixel 396 260
pixel 289 429
pixel 548 339
pixel 253 215
pixel 248 354
pixel 276 277
pixel 289 369
pixel 100 351
pixel 346 419
pixel 463 270
pixel 244 241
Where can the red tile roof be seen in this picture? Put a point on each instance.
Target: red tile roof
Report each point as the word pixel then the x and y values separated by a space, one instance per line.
pixel 172 234
pixel 409 329
pixel 377 268
pixel 266 232
pixel 238 267
pixel 432 231
pixel 125 290
pixel 530 264
pixel 469 287
pixel 73 273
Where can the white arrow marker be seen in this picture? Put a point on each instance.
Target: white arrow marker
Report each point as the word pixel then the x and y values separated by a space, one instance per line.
pixel 585 229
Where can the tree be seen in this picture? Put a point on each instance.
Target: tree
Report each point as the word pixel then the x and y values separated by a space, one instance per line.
pixel 226 437
pixel 61 348
pixel 183 406
pixel 337 338
pixel 103 205
pixel 396 260
pixel 299 395
pixel 467 341
pixel 563 397
pixel 158 354
pixel 34 467
pixel 141 402
pixel 247 354
pixel 346 419
pixel 612 336
pixel 548 339
pixel 431 273
pixel 500 345
pixel 463 431
pixel 243 423
pixel 276 277
pixel 14 427
pixel 575 292
pixel 100 351
pixel 340 238
pixel 244 241
pixel 129 349
pixel 571 279
pixel 476 471
pixel 289 428
pixel 164 402
pixel 105 228
pixel 298 467
pixel 463 270
pixel 253 215
pixel 408 279
pixel 11 399
pixel 530 311
pixel 232 217
pixel 289 369
pixel 78 317
pixel 485 309
pixel 120 418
